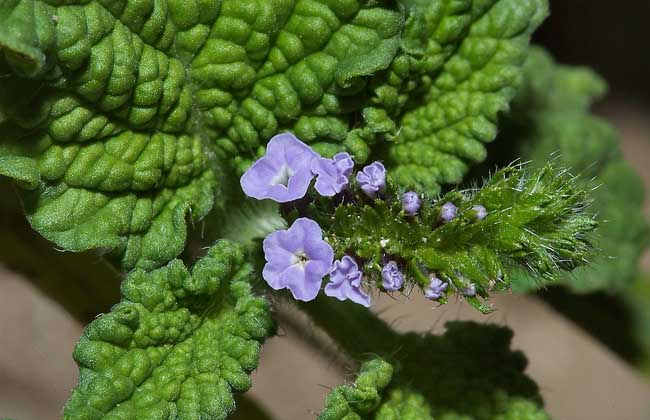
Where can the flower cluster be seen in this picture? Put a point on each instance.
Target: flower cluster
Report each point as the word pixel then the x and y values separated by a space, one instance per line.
pixel 299 258
pixel 288 168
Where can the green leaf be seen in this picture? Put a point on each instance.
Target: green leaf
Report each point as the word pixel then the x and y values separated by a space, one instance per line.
pixel 371 398
pixel 461 378
pixel 122 107
pixel 111 134
pixel 104 133
pixel 551 118
pixel 176 346
pixel 362 398
pixel 376 54
pixel 304 66
pixel 22 169
pixel 25 35
pixel 473 53
pixel 403 404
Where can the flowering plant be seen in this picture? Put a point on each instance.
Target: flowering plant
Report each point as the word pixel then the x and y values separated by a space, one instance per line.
pixel 222 160
pixel 392 241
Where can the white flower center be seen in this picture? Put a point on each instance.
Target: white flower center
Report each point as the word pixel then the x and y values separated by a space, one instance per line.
pixel 300 259
pixel 282 177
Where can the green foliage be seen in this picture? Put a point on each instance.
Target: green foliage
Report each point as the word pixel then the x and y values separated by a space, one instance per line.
pixel 469 55
pixel 536 221
pixel 177 345
pixel 110 111
pixel 404 405
pixel 551 116
pixel 120 120
pixel 371 398
pixel 97 123
pixel 362 398
pixel 468 373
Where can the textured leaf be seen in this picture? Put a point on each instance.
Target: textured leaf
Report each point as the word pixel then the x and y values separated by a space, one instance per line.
pixel 25 35
pixel 361 399
pixel 473 52
pixel 108 107
pixel 463 380
pixel 404 405
pixel 291 65
pixel 103 135
pixel 177 345
pixel 371 398
pixel 551 117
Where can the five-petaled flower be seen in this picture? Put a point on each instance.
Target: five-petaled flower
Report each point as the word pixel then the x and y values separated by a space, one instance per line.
pixel 436 288
pixel 284 173
pixel 297 259
pixel 333 174
pixel 372 179
pixel 345 282
pixel 392 277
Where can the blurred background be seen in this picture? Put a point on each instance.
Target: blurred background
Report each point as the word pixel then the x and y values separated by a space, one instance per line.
pixel 585 369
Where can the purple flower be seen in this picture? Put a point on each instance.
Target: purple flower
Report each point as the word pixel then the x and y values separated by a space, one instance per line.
pixel 411 202
pixel 448 212
pixel 345 282
pixel 297 259
pixel 481 212
pixel 469 290
pixel 436 288
pixel 372 179
pixel 333 174
pixel 283 174
pixel 392 278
